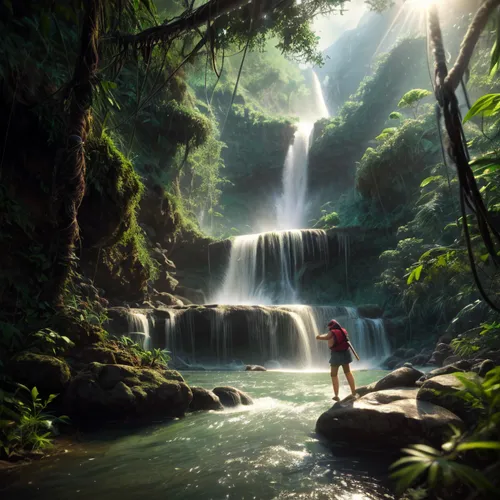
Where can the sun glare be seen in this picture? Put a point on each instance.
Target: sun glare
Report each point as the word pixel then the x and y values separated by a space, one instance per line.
pixel 422 4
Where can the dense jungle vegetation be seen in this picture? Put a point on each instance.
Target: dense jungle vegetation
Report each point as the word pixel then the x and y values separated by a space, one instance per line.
pixel 133 129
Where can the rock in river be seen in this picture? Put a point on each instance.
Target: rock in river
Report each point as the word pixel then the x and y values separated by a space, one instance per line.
pixel 204 399
pixel 389 420
pixel 255 368
pixel 230 396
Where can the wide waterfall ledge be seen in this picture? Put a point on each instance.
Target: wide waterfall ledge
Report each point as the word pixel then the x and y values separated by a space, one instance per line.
pixel 279 336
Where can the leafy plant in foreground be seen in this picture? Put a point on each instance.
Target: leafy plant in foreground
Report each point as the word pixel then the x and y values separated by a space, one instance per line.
pixel 47 341
pixel 455 465
pixel 25 423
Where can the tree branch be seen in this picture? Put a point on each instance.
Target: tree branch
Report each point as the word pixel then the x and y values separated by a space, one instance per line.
pixel 468 45
pixel 199 17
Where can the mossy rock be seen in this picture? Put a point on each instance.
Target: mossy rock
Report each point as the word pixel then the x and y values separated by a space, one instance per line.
pixel 48 374
pixel 113 193
pixel 109 354
pixel 118 392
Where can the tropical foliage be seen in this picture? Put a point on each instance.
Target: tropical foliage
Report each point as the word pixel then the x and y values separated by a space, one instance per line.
pixel 463 464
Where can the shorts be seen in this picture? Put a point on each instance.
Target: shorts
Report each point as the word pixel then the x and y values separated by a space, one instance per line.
pixel 339 358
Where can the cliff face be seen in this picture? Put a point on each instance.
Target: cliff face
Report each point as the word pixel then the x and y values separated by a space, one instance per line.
pixel 256 147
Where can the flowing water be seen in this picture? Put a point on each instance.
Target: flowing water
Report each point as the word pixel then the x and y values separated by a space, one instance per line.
pixel 138 328
pixel 291 207
pixel 263 268
pixel 265 451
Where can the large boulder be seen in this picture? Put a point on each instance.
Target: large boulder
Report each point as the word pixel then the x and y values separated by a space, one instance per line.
pixel 442 390
pixel 204 399
pixel 390 395
pixel 230 396
pixel 441 352
pixel 444 370
pixel 118 392
pixel 402 377
pixel 405 376
pixel 386 419
pixel 48 374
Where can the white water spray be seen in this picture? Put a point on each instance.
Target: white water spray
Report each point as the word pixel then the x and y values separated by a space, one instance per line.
pixel 138 323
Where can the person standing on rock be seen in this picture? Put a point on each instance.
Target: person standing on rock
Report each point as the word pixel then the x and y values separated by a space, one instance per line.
pixel 338 342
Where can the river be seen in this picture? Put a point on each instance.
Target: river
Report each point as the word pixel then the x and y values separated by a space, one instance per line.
pixel 265 451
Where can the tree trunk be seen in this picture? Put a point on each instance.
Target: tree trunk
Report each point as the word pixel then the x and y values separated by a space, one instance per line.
pixel 69 179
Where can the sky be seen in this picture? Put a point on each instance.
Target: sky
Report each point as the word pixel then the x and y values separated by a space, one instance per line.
pixel 330 27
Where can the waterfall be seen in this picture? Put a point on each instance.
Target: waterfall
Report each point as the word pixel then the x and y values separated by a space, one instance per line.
pixel 264 268
pixel 283 333
pixel 138 327
pixel 291 207
pixel 320 108
pixel 220 334
pixel 170 331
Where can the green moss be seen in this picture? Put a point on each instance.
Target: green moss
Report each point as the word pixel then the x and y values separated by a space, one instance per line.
pixel 255 141
pixel 108 171
pixel 184 221
pixel 112 175
pixel 391 172
pixel 47 373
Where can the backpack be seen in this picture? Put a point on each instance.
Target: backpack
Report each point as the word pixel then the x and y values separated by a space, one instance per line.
pixel 341 340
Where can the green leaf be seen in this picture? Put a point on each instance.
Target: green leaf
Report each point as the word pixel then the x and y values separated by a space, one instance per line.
pixel 479 445
pixel 405 460
pixel 395 116
pixel 418 271
pixel 413 97
pixel 415 274
pixel 34 393
pixel 484 106
pixel 430 179
pixel 408 475
pixel 433 474
pixel 429 450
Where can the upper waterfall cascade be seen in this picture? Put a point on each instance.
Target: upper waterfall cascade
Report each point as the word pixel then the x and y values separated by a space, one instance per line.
pixel 291 207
